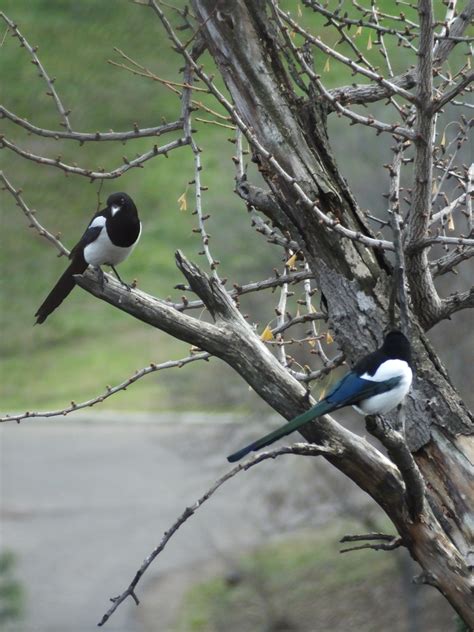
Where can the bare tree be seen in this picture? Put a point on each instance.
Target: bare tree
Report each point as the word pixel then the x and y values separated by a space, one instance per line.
pixel 277 101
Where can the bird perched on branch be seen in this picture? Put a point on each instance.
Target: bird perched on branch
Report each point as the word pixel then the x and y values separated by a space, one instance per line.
pixel 109 238
pixel 375 385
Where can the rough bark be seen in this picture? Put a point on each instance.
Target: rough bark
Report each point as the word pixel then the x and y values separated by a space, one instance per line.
pixel 355 281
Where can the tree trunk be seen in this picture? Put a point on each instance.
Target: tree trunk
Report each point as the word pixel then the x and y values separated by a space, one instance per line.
pixel 355 281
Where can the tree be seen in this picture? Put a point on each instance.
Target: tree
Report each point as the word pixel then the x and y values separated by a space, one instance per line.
pixel 276 99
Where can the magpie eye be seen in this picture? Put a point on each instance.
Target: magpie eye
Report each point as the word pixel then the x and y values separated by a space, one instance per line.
pixel 122 200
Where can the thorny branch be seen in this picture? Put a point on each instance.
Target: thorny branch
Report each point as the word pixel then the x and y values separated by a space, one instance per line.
pixel 31 216
pixel 110 390
pixel 299 449
pixel 89 173
pixel 83 137
pixel 412 231
pixel 41 70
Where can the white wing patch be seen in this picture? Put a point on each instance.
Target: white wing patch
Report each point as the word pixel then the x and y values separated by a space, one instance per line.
pixel 97 221
pixel 103 252
pixel 385 402
pixel 388 369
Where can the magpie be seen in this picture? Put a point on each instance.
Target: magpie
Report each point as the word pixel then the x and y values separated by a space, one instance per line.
pixel 375 385
pixel 108 239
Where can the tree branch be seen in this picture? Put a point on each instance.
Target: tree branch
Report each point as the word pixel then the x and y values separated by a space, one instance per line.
pixel 455 302
pixel 447 97
pixel 299 449
pixel 30 214
pixel 400 454
pixel 42 71
pixel 89 173
pixel 457 27
pixel 451 260
pixel 426 301
pixel 388 542
pixel 84 137
pixel 109 391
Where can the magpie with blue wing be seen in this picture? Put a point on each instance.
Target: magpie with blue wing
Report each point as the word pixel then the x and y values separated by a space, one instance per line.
pixel 375 385
pixel 109 238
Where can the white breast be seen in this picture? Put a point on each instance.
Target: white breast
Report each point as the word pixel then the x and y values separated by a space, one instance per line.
pixel 103 252
pixel 385 402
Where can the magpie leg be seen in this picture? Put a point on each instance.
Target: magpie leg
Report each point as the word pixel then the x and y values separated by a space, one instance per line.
pixel 102 277
pixel 386 425
pixel 129 287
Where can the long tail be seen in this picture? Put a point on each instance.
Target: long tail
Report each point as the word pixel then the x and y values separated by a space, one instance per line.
pixel 62 288
pixel 321 408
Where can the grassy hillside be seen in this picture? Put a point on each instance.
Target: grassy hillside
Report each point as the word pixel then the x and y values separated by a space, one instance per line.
pixel 87 344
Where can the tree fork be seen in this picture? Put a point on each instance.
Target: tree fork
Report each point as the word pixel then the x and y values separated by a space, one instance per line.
pixel 355 280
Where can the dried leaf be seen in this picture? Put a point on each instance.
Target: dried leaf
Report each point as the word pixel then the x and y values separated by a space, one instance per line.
pixel 299 12
pixel 329 338
pixel 312 343
pixel 183 204
pixel 369 42
pixel 327 65
pixel 451 222
pixel 358 31
pixel 442 142
pixel 267 334
pixel 291 261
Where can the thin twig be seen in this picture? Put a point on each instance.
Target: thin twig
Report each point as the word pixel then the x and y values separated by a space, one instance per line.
pixel 385 541
pixel 188 132
pixel 327 221
pixel 110 390
pixel 30 214
pixel 89 173
pixel 42 71
pixel 84 137
pixel 300 449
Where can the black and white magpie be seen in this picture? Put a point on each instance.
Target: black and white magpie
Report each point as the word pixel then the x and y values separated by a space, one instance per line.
pixel 108 239
pixel 375 385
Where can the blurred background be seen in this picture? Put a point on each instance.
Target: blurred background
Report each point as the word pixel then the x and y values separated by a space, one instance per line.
pixel 84 499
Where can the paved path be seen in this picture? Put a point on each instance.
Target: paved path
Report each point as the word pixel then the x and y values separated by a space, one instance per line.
pixel 83 503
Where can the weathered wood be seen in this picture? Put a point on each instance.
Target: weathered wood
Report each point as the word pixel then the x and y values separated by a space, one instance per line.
pixel 354 280
pixel 356 283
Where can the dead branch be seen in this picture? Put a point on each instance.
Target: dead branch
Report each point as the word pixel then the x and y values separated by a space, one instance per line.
pixel 300 449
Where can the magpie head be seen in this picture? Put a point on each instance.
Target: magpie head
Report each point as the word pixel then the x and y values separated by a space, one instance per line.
pixel 121 202
pixel 397 346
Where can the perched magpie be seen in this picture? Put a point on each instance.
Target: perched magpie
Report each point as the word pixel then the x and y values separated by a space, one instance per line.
pixel 375 385
pixel 109 238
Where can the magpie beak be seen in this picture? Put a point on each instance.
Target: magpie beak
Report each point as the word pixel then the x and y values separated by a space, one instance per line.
pixel 375 385
pixel 108 239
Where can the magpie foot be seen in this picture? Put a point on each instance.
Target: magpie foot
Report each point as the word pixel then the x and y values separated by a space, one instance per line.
pixel 102 277
pixel 129 287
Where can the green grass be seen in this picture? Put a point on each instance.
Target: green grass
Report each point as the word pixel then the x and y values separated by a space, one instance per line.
pixel 86 343
pixel 287 575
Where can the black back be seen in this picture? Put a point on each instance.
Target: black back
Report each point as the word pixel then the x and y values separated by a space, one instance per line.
pixel 395 347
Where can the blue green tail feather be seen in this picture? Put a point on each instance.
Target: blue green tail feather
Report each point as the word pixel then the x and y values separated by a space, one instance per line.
pixel 316 411
pixel 350 390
